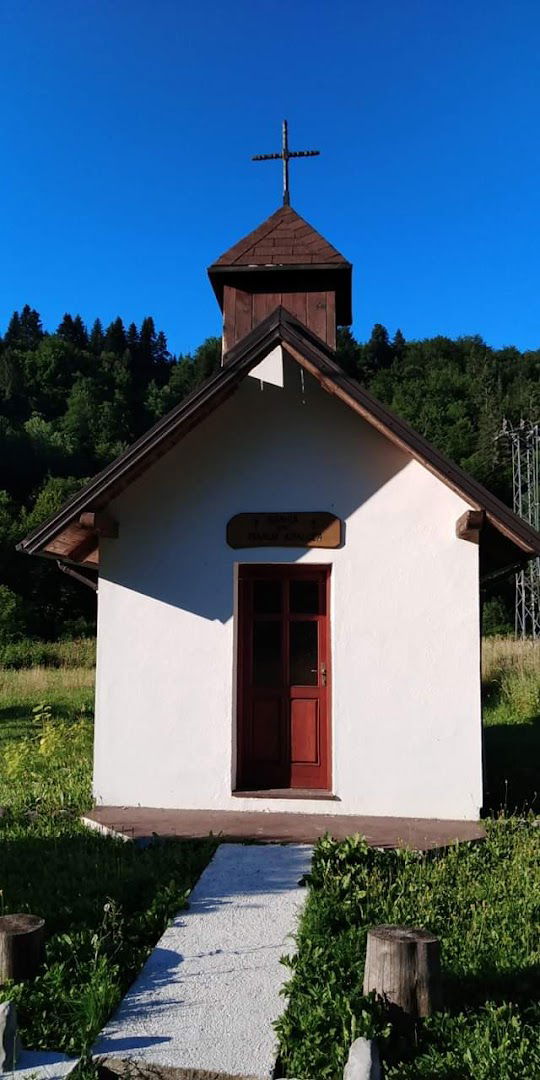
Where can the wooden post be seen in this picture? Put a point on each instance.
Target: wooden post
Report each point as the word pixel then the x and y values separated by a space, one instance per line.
pixel 22 939
pixel 403 968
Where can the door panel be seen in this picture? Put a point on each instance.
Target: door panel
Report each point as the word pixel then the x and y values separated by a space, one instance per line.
pixel 266 729
pixel 304 731
pixel 283 684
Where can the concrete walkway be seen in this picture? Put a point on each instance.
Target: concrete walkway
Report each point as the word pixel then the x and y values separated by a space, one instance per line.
pixel 42 1065
pixel 208 994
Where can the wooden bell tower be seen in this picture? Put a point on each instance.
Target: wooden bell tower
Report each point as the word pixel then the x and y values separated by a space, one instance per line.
pixel 282 262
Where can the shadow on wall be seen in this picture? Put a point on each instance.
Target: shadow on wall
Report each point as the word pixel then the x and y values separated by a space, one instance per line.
pixel 266 449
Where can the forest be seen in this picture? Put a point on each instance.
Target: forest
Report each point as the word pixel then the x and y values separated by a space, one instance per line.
pixel 73 399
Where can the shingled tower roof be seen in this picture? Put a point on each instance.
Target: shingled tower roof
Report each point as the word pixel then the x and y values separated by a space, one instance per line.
pixel 285 253
pixel 284 239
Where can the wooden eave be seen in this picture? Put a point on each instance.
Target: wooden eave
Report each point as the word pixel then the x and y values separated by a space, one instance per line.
pixel 262 278
pixel 61 535
pixel 64 529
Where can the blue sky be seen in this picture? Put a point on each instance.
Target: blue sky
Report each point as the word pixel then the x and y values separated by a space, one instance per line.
pixel 128 126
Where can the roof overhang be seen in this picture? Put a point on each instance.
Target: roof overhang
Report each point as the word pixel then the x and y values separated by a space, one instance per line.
pixel 73 533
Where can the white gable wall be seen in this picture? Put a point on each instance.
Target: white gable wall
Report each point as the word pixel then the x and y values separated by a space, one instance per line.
pixel 405 613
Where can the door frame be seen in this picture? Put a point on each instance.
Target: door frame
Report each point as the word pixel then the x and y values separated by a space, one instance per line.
pixel 245 571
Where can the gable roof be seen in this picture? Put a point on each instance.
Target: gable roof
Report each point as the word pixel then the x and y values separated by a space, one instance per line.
pixel 65 536
pixel 284 239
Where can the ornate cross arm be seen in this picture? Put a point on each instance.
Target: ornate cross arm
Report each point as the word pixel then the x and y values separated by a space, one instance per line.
pixel 285 157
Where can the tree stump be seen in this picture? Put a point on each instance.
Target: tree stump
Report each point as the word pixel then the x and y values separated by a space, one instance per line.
pixel 403 967
pixel 22 939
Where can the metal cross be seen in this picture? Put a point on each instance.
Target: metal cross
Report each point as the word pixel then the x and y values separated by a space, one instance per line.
pixel 285 157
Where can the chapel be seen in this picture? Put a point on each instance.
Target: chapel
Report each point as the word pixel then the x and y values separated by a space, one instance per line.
pixel 288 574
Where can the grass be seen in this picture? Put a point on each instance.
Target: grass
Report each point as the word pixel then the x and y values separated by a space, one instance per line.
pixel 482 901
pixel 105 901
pixel 78 652
pixel 511 686
pixel 67 693
pixel 63 680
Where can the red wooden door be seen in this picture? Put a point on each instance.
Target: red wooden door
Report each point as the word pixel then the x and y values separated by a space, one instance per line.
pixel 283 678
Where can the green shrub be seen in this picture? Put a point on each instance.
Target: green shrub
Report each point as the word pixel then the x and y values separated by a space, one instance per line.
pixel 495 617
pixel 520 692
pixel 11 616
pixel 51 769
pixel 79 652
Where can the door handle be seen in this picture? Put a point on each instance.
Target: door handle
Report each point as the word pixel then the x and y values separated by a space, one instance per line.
pixel 323 673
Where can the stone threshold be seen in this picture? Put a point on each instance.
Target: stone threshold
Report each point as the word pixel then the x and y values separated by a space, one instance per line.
pixel 142 823
pixel 287 793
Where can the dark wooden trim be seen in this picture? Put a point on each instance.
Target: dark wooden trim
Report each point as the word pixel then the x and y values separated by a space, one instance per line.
pixel 84 549
pixel 100 523
pixel 335 381
pixel 304 529
pixel 278 278
pixel 246 573
pixel 243 303
pixel 229 317
pixel 502 572
pixel 243 309
pixel 288 793
pixel 470 525
pixel 278 268
pixel 319 360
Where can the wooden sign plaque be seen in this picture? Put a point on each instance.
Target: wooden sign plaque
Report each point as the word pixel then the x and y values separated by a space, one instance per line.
pixel 318 529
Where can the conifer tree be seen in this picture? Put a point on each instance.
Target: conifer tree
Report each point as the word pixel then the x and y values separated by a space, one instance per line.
pixel 73 331
pixel 147 343
pixel 25 330
pixel 161 352
pixel 80 333
pixel 398 345
pixel 13 332
pixel 132 338
pixel 378 349
pixel 65 328
pixel 115 338
pixel 207 359
pixel 96 341
pixel 348 351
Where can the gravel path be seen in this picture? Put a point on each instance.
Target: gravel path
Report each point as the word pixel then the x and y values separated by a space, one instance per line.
pixel 208 994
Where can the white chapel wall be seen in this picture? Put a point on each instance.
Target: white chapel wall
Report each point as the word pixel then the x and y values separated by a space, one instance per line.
pixel 405 613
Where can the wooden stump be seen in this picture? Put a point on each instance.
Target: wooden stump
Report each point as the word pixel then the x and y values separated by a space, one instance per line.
pixel 403 967
pixel 22 939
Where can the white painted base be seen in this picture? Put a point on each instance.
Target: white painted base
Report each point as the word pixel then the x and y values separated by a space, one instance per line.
pixel 405 671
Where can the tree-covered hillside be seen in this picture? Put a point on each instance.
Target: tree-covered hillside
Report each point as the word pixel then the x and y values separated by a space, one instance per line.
pixel 70 401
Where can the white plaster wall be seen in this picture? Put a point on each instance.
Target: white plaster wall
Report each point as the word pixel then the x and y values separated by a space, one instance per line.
pixel 405 620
